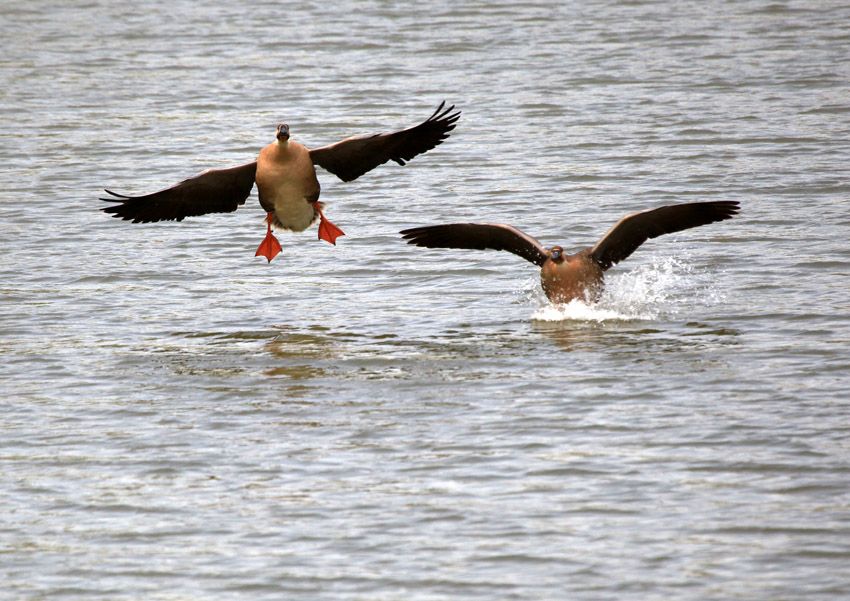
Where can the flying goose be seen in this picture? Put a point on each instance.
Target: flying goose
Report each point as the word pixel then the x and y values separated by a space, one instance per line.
pixel 285 175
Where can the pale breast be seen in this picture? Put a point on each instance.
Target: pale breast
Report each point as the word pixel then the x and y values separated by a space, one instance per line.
pixel 287 185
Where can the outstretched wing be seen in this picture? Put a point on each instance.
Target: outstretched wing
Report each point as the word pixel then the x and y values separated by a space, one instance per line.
pixel 352 157
pixel 213 191
pixel 635 229
pixel 478 236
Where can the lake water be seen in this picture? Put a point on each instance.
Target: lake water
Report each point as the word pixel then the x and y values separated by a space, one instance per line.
pixel 371 421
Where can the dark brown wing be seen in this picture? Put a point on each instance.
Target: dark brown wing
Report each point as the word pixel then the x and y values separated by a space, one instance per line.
pixel 352 157
pixel 213 191
pixel 478 236
pixel 635 229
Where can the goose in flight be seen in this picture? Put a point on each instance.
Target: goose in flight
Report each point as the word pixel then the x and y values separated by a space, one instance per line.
pixel 566 277
pixel 285 175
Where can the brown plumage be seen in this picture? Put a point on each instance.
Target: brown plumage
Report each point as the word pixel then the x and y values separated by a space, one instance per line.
pixel 286 179
pixel 578 276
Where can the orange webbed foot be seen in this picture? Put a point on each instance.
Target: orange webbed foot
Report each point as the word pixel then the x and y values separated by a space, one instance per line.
pixel 269 247
pixel 327 230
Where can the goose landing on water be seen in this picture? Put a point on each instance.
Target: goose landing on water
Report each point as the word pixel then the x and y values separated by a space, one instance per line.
pixel 286 180
pixel 579 276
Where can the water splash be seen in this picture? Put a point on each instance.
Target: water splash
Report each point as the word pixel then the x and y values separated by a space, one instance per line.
pixel 661 287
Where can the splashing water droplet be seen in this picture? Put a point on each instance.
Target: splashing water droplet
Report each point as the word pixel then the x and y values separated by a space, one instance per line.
pixel 658 288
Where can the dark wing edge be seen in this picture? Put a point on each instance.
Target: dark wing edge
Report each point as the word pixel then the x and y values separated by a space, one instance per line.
pixel 478 236
pixel 635 229
pixel 213 191
pixel 352 157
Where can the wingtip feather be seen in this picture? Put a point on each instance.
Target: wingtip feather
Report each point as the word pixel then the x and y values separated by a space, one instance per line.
pixel 445 116
pixel 439 108
pixel 115 194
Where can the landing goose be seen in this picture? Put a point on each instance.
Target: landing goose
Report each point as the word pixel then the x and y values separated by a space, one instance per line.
pixel 566 277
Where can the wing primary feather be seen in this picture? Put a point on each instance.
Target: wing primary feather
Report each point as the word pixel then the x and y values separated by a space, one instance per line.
pixel 115 194
pixel 478 236
pixel 350 158
pixel 213 191
pixel 636 228
pixel 439 108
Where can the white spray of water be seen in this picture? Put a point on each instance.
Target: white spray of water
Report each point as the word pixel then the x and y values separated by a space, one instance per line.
pixel 643 293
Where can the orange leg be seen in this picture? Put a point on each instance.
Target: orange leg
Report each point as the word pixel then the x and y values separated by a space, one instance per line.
pixel 269 247
pixel 327 230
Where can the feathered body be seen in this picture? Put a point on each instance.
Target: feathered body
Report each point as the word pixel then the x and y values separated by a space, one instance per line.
pixel 576 276
pixel 287 185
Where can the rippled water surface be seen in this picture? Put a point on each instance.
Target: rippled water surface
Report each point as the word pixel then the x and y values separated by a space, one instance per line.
pixel 181 420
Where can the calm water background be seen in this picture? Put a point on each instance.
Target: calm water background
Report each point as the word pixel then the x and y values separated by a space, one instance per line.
pixel 180 420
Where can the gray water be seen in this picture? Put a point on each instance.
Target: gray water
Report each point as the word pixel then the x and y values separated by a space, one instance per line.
pixel 181 420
